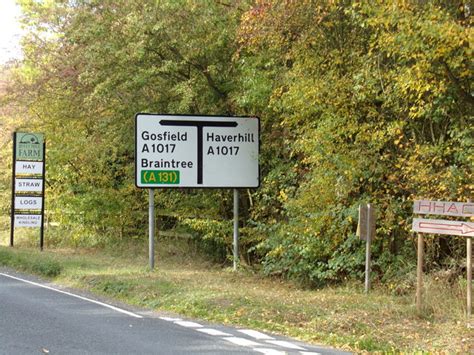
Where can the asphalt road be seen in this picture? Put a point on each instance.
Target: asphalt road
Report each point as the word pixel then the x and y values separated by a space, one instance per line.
pixel 36 318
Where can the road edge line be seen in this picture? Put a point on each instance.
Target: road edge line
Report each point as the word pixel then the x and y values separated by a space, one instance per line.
pixel 117 309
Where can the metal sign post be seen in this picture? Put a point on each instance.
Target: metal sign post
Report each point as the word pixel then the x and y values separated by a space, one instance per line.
pixel 367 249
pixel 43 195
pixel 12 213
pixel 151 228
pixel 236 229
pixel 366 231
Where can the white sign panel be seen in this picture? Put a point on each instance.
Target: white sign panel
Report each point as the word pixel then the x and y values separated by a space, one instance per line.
pixel 196 151
pixel 28 167
pixel 27 220
pixel 28 185
pixel 439 226
pixel 28 203
pixel 444 208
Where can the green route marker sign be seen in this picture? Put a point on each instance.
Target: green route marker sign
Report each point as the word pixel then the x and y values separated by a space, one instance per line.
pixel 167 177
pixel 29 146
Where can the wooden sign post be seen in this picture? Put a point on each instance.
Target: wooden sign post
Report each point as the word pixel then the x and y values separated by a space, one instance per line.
pixel 469 281
pixel 445 227
pixel 419 273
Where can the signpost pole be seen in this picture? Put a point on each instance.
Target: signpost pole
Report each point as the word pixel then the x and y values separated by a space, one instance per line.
pixel 151 228
pixel 236 228
pixel 469 279
pixel 367 249
pixel 12 227
pixel 43 195
pixel 419 273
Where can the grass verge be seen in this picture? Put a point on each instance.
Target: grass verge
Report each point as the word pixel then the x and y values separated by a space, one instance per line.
pixel 186 284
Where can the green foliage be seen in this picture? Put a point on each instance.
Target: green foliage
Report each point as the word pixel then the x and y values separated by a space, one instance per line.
pixel 213 237
pixel 48 268
pixel 102 63
pixel 114 287
pixel 359 102
pixel 370 99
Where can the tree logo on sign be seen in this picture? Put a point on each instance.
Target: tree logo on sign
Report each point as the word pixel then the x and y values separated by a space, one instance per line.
pixel 29 139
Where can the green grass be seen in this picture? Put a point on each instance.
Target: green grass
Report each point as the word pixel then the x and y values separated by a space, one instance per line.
pixel 186 284
pixel 30 263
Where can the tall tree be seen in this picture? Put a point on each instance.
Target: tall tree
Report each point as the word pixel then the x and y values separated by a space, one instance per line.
pixel 374 104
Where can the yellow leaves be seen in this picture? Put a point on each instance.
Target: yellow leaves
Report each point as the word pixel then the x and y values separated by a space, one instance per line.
pixel 392 177
pixel 276 252
pixel 240 312
pixel 398 141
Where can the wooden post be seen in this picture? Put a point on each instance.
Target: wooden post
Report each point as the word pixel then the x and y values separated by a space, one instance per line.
pixel 469 280
pixel 419 273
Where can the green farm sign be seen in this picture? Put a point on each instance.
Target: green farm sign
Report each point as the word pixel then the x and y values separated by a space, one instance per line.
pixel 29 146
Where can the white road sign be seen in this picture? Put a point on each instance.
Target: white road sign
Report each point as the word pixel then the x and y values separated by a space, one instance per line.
pixel 28 203
pixel 28 167
pixel 28 185
pixel 196 151
pixel 27 220
pixel 439 226
pixel 444 208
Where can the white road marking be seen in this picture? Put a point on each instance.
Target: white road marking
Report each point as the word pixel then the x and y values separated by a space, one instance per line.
pixel 269 351
pixel 213 332
pixel 255 334
pixel 76 296
pixel 241 341
pixel 285 344
pixel 188 324
pixel 169 319
pixel 235 340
